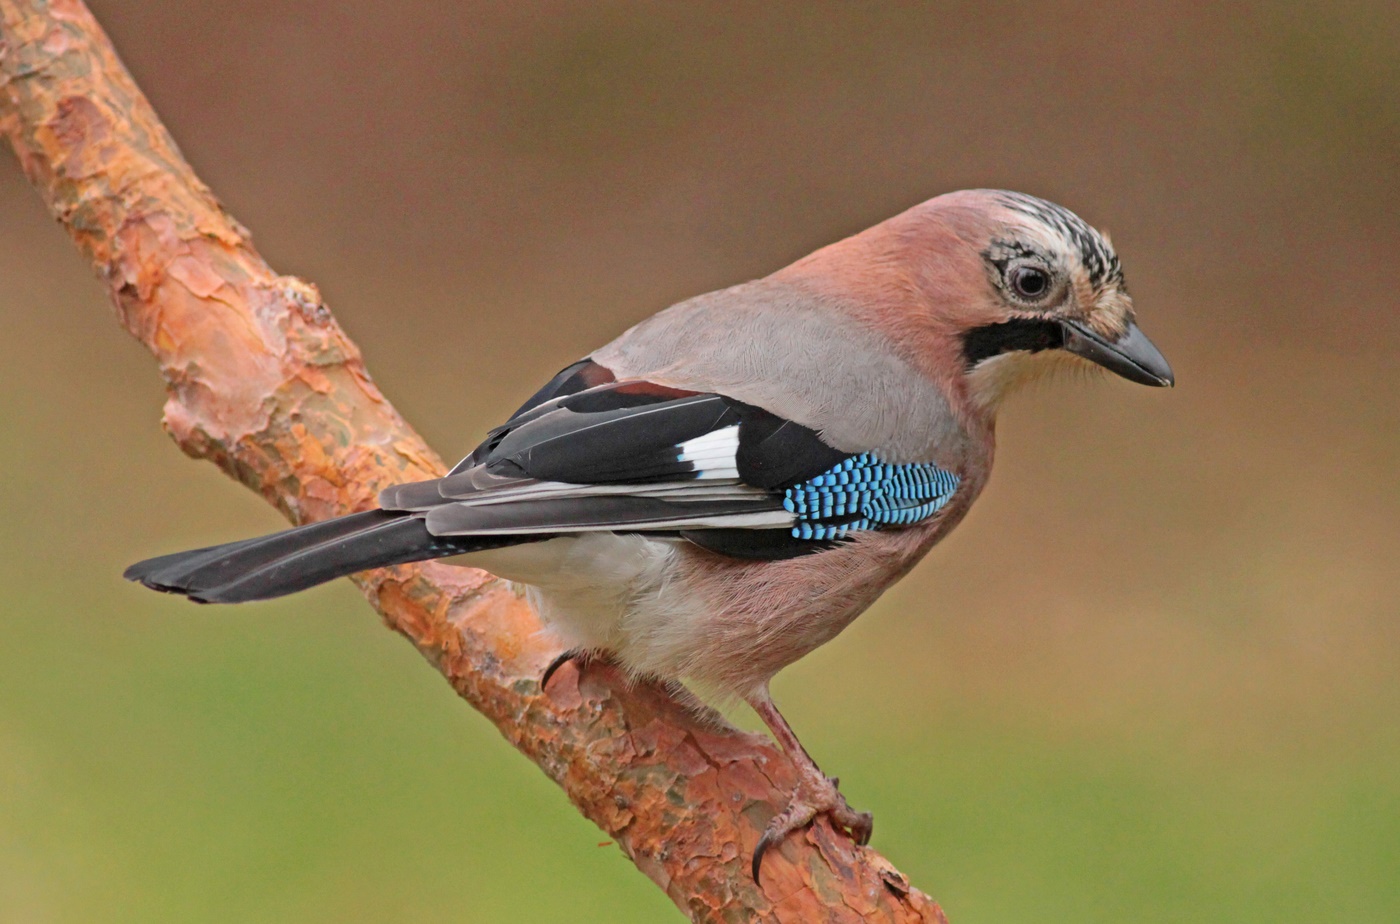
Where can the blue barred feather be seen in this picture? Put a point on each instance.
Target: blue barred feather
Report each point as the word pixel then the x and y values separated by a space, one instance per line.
pixel 863 492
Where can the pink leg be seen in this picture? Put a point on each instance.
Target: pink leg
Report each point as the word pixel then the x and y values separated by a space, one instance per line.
pixel 816 793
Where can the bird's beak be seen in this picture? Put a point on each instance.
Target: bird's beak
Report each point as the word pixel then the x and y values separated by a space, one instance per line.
pixel 1132 355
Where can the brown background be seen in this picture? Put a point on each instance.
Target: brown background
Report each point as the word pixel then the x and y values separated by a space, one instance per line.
pixel 1154 677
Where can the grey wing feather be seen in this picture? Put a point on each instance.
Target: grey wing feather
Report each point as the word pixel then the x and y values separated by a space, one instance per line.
pixel 600 513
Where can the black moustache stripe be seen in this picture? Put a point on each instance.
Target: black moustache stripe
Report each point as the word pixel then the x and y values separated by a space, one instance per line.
pixel 1017 334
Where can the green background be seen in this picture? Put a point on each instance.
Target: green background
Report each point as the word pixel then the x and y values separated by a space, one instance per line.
pixel 1154 677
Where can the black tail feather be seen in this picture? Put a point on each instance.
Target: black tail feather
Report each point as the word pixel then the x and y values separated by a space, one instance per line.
pixel 295 559
pixel 215 565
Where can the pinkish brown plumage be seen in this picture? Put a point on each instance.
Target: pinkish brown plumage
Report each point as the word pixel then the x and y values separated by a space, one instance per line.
pixel 724 487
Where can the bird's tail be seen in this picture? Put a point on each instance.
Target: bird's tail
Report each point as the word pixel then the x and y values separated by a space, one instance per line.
pixel 295 559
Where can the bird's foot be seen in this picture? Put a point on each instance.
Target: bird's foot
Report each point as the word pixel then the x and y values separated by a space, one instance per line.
pixel 816 794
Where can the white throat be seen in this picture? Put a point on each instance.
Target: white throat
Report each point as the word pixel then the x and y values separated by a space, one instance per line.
pixel 994 378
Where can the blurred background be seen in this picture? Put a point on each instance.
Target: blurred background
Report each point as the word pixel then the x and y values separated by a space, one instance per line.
pixel 1154 677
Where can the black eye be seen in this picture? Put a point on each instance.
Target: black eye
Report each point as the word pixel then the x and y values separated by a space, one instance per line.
pixel 1029 282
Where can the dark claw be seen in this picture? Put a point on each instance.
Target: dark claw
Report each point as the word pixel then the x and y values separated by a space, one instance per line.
pixel 764 843
pixel 564 657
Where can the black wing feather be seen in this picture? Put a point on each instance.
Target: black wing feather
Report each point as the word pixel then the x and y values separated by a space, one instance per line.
pixel 580 376
pixel 762 544
pixel 607 445
pixel 570 380
pixel 776 453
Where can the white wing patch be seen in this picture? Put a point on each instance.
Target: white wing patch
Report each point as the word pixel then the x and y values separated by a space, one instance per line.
pixel 713 454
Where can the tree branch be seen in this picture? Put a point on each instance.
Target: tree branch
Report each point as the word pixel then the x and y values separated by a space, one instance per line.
pixel 263 382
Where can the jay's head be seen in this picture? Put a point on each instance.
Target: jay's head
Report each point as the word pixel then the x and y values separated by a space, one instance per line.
pixel 1052 294
pixel 988 289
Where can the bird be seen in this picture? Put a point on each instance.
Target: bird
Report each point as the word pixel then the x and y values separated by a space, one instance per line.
pixel 725 486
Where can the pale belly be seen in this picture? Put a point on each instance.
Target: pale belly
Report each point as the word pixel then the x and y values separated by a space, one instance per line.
pixel 667 609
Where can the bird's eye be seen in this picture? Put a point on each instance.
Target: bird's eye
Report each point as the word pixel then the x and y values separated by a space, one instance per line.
pixel 1029 282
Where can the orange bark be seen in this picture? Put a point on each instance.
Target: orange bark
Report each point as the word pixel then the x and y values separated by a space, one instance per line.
pixel 263 382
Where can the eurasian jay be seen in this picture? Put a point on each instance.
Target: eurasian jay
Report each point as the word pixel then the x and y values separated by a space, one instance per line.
pixel 728 484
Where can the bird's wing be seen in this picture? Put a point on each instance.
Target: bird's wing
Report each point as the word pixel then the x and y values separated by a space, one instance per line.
pixel 634 456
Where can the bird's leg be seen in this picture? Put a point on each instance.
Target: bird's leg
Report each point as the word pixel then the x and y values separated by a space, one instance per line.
pixel 816 793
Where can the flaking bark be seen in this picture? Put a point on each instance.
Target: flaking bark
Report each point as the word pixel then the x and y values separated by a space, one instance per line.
pixel 263 382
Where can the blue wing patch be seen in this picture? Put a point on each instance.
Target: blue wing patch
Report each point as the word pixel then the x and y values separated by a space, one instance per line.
pixel 862 492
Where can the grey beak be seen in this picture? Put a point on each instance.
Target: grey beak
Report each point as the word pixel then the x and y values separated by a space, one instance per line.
pixel 1132 355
